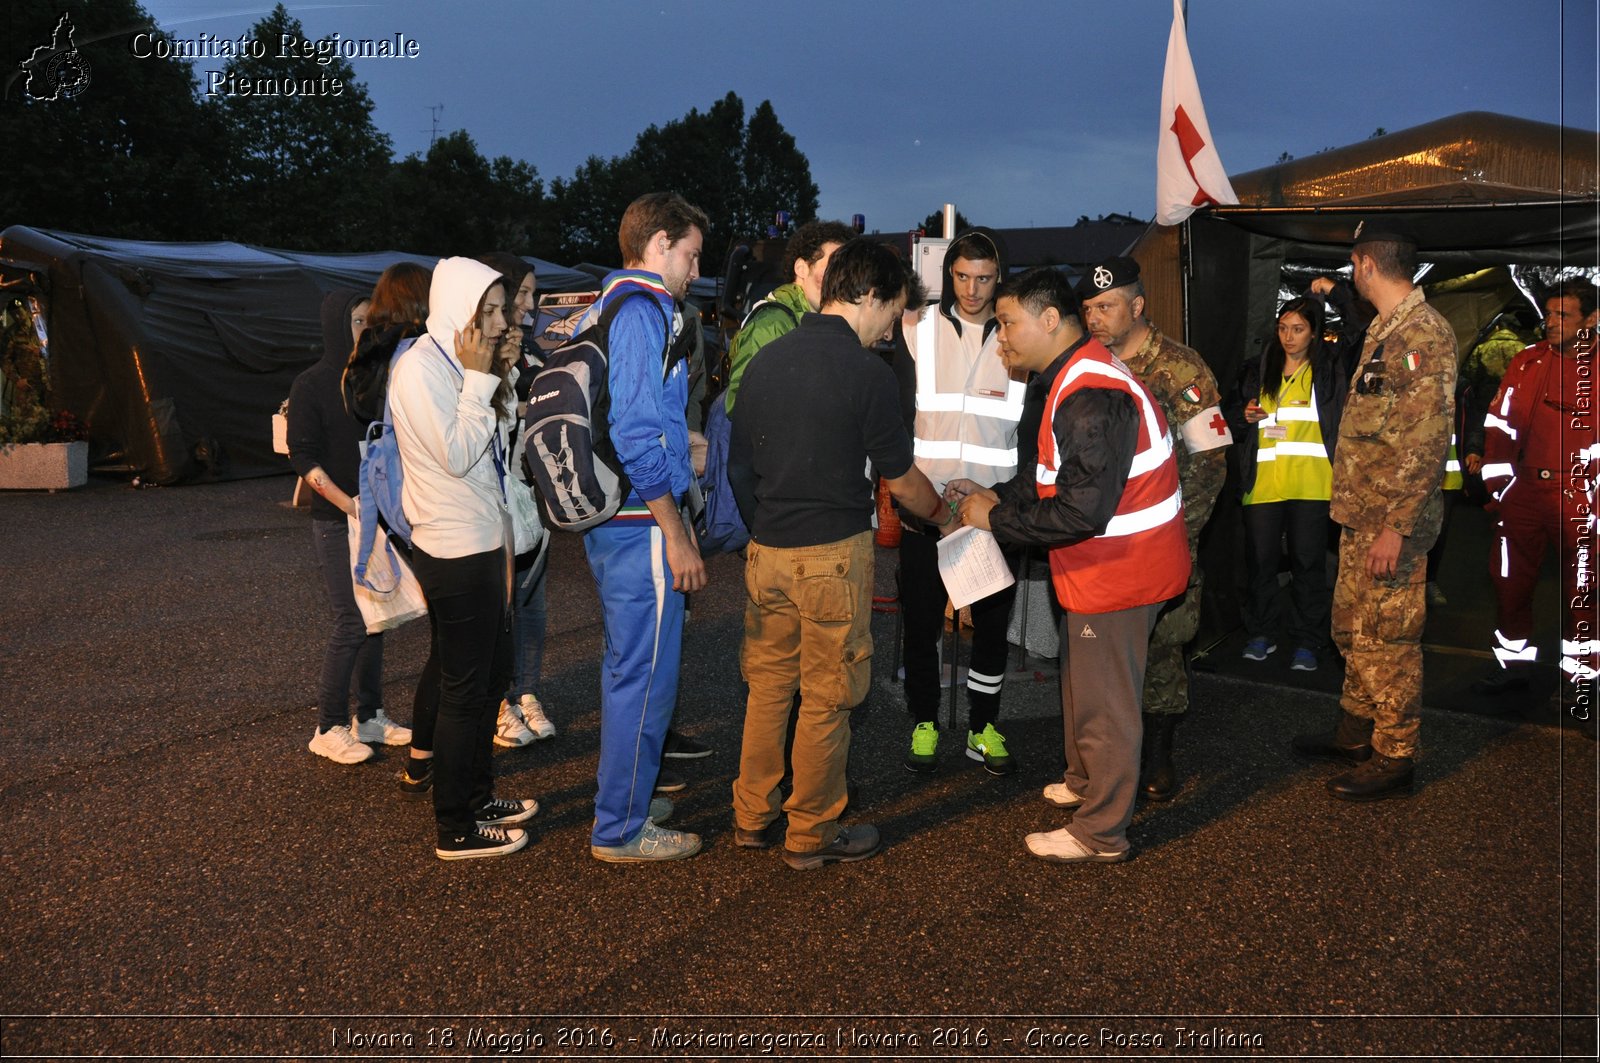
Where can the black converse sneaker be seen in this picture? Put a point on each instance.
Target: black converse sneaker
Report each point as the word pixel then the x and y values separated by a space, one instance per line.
pixel 485 841
pixel 503 811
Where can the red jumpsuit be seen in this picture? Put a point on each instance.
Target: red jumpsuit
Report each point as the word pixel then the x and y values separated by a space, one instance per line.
pixel 1540 462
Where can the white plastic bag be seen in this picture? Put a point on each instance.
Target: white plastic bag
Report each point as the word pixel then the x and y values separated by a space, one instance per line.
pixel 400 596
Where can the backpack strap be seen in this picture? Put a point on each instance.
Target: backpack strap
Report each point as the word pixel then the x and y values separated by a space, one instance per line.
pixel 609 313
pixel 794 318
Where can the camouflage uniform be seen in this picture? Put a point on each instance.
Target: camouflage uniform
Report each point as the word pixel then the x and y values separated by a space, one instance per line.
pixel 1186 389
pixel 1387 472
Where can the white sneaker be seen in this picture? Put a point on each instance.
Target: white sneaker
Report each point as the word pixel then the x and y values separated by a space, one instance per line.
pixel 1061 847
pixel 339 745
pixel 509 730
pixel 1061 795
pixel 383 730
pixel 534 718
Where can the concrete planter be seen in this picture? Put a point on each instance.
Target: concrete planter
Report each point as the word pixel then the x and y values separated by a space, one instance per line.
pixel 44 466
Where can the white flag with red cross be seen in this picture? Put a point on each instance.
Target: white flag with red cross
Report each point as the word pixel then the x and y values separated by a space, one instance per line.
pixel 1189 171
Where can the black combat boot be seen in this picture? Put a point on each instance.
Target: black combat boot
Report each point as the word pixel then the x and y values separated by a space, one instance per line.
pixel 1350 742
pixel 1374 780
pixel 1158 779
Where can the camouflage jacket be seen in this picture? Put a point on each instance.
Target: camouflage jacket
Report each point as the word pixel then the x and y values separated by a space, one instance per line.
pixel 1186 388
pixel 1396 426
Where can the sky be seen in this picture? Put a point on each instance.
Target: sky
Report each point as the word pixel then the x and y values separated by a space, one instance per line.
pixel 1021 112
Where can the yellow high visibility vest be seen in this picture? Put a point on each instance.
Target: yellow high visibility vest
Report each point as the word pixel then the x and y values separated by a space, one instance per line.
pixel 1294 467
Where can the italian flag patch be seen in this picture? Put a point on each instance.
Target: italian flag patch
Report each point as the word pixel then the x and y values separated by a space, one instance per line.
pixel 1413 359
pixel 1191 394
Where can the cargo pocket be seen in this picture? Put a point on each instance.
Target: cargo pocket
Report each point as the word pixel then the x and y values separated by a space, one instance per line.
pixel 822 592
pixel 856 670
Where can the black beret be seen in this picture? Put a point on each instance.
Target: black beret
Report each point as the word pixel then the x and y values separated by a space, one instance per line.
pixel 1379 233
pixel 1104 276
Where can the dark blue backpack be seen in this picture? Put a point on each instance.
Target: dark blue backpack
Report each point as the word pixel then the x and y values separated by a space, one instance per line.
pixel 719 525
pixel 569 456
pixel 381 479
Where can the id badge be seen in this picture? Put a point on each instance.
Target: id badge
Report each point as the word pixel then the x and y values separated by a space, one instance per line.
pixel 1274 431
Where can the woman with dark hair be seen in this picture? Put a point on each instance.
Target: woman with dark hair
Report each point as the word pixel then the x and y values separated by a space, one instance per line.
pixel 398 310
pixel 522 717
pixel 1285 411
pixel 453 450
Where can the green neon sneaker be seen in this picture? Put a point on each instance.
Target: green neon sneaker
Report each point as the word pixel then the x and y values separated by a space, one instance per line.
pixel 924 755
pixel 989 746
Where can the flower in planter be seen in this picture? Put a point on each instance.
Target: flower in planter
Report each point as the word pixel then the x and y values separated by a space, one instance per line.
pixel 26 415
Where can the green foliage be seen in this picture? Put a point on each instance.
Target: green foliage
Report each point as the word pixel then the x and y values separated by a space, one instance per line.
pixel 301 167
pixel 27 410
pixel 933 224
pixel 131 156
pixel 456 202
pixel 740 173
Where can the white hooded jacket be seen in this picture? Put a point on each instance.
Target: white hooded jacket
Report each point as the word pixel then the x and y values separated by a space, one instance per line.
pixel 447 427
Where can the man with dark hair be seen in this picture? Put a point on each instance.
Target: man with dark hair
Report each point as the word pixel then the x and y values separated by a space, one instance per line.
pixel 817 407
pixel 644 559
pixel 1104 499
pixel 805 260
pixel 1538 455
pixel 967 409
pixel 1387 479
pixel 1114 312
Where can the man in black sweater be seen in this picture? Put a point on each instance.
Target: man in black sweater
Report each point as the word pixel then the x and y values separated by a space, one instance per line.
pixel 817 413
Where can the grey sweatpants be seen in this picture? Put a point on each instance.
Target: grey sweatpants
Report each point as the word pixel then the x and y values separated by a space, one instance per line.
pixel 1102 673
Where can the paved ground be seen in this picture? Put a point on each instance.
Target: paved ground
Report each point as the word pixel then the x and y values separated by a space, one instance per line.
pixel 183 878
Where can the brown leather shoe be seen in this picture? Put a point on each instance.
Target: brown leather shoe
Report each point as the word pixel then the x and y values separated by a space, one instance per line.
pixel 1378 778
pixel 1349 742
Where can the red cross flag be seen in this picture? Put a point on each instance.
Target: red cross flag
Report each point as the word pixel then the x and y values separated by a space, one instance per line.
pixel 1189 171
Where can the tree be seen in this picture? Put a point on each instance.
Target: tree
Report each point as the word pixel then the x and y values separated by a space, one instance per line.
pixel 739 173
pixel 131 154
pixel 456 202
pixel 304 152
pixel 933 224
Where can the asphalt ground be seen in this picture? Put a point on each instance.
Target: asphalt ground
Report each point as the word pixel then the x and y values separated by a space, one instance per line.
pixel 183 879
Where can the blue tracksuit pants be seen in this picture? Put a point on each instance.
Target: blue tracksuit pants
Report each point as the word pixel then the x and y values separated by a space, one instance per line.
pixel 639 675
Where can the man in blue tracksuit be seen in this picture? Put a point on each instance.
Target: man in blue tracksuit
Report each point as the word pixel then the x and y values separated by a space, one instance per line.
pixel 645 558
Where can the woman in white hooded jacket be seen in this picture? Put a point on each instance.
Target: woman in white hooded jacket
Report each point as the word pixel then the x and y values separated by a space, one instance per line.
pixel 453 452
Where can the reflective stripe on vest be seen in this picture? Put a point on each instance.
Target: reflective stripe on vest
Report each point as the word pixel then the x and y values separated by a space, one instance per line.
pixel 1142 556
pixel 963 435
pixel 1296 467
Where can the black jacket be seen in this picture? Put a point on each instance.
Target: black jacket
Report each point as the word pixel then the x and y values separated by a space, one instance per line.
pixel 321 433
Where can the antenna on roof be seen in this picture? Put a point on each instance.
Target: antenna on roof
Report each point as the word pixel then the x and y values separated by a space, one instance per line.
pixel 433 134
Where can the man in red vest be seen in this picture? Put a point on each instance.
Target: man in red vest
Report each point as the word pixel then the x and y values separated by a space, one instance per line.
pixel 1104 498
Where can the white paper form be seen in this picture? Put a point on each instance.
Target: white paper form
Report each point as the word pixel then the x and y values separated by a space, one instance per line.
pixel 972 566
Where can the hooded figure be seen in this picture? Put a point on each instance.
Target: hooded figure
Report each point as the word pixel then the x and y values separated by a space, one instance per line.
pixel 965 416
pixel 320 432
pixel 453 453
pixel 446 424
pixel 325 449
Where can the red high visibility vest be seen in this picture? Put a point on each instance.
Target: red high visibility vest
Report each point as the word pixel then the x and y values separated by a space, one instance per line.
pixel 1143 555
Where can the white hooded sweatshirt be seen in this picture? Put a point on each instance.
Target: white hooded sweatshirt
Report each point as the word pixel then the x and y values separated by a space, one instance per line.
pixel 446 425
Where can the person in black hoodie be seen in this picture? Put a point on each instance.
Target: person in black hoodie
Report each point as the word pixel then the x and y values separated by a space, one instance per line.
pixel 966 408
pixel 324 448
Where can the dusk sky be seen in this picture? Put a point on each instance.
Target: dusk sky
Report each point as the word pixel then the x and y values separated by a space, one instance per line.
pixel 1022 112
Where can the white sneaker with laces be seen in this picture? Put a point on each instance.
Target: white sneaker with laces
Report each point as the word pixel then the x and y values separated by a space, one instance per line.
pixel 383 730
pixel 509 730
pixel 338 745
pixel 1061 795
pixel 1061 847
pixel 534 718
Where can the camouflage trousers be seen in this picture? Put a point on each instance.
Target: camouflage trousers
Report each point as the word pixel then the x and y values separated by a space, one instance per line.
pixel 1377 625
pixel 1166 673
